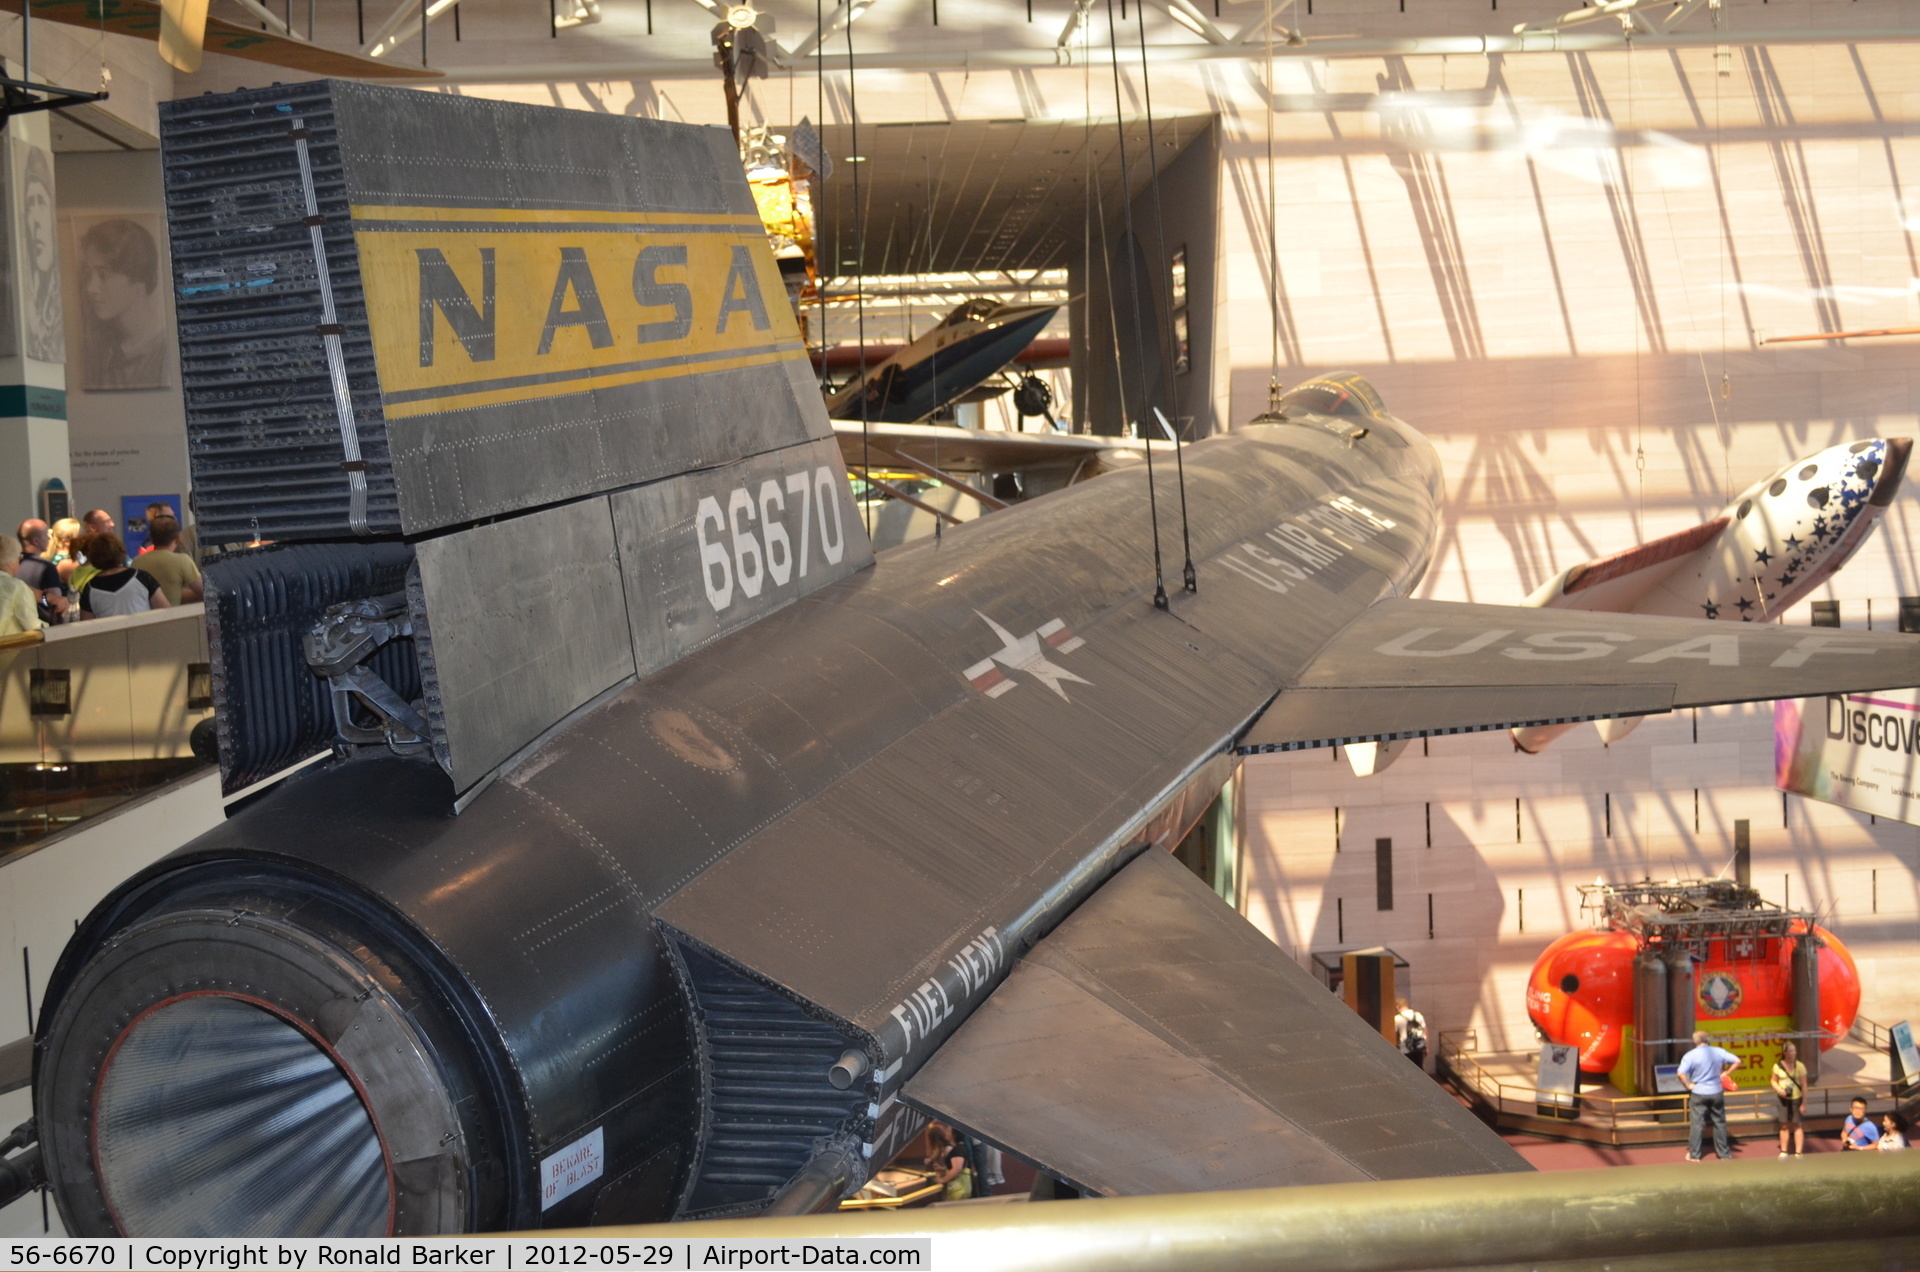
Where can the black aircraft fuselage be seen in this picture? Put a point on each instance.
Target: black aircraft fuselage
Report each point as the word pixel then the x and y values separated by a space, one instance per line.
pixel 884 791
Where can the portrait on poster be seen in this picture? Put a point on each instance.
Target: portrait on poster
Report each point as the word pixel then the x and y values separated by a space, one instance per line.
pixel 126 340
pixel 44 336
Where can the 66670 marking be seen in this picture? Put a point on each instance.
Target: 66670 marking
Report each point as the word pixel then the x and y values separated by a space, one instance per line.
pixel 733 555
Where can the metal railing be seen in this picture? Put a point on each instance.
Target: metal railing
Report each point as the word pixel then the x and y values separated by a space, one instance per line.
pixel 95 714
pixel 1835 1210
pixel 1623 1120
pixel 1866 1031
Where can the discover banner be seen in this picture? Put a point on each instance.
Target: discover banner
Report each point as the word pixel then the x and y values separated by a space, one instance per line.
pixel 1857 750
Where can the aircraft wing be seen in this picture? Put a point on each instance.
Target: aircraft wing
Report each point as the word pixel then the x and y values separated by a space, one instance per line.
pixel 1410 668
pixel 958 450
pixel 1156 1042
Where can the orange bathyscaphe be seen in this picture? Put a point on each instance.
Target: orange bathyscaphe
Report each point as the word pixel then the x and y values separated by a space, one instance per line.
pixel 1581 994
pixel 1581 991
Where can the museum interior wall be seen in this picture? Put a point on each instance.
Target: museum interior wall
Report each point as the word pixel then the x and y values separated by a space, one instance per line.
pixel 1559 269
pixel 1176 224
pixel 97 163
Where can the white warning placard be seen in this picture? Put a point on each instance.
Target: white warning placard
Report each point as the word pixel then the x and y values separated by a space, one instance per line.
pixel 566 1171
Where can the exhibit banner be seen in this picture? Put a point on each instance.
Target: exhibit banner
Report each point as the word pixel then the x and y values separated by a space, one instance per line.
pixel 1558 1080
pixel 1857 750
pixel 1905 1052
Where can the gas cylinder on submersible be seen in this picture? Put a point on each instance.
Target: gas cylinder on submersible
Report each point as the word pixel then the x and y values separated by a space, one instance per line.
pixel 1649 1018
pixel 1806 999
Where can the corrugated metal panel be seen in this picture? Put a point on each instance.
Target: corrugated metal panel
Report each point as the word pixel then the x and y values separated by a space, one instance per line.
pixel 271 710
pixel 1156 1042
pixel 764 1066
pixel 263 422
pixel 528 621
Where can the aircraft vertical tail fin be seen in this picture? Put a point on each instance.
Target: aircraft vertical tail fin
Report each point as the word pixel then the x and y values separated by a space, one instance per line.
pixel 549 351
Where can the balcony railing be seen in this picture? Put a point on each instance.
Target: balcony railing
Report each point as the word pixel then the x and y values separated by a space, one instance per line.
pixel 95 714
pixel 1607 1117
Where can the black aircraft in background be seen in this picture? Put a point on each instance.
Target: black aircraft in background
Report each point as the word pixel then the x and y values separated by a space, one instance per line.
pixel 952 358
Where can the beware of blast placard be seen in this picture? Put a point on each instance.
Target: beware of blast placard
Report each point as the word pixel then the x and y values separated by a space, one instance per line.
pixel 567 1171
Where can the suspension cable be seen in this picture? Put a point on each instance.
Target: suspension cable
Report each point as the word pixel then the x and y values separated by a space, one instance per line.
pixel 1163 336
pixel 1273 414
pixel 819 188
pixel 1085 392
pixel 1099 219
pixel 1273 240
pixel 860 283
pixel 1139 336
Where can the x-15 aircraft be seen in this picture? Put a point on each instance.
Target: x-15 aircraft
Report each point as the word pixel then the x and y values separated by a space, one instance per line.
pixel 825 844
pixel 728 941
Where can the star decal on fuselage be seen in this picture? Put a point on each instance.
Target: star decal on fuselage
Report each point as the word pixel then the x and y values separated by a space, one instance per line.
pixel 1029 654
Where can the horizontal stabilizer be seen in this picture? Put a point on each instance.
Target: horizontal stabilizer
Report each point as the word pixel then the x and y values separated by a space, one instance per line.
pixel 1156 1042
pixel 1417 668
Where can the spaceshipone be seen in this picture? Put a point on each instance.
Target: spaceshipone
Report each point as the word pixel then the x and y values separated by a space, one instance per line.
pixel 1785 535
pixel 666 854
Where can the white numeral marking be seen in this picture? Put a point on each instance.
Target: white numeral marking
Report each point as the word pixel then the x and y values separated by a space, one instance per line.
pixel 745 547
pixel 733 551
pixel 800 488
pixel 716 571
pixel 780 563
pixel 823 483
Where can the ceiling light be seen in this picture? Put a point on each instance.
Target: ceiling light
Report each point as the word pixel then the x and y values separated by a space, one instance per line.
pixel 856 158
pixel 576 13
pixel 393 41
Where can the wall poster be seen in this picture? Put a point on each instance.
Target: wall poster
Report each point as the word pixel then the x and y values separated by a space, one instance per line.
pixel 126 340
pixel 45 337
